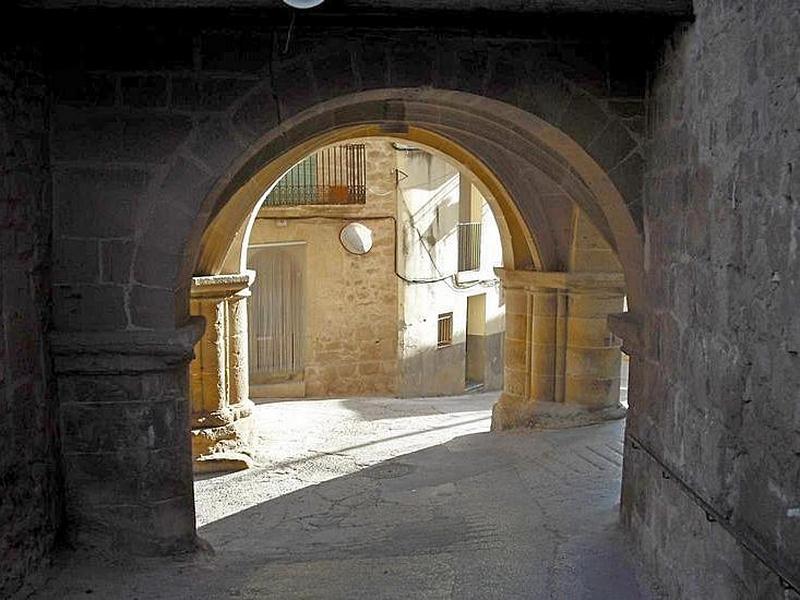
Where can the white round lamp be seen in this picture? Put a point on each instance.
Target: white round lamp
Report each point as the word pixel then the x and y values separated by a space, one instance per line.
pixel 303 3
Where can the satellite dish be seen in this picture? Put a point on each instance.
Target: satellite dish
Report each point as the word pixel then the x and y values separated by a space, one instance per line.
pixel 356 238
pixel 303 3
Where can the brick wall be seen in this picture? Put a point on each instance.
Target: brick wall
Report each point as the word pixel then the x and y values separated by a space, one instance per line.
pixel 722 360
pixel 29 486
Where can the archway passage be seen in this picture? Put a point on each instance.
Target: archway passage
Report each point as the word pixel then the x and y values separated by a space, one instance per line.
pixel 561 364
pixel 538 143
pixel 124 134
pixel 566 232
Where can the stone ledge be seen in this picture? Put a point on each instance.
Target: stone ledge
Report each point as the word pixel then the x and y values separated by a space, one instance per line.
pixel 221 286
pixel 126 351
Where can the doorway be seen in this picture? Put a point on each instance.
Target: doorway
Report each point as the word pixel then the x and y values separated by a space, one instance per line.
pixel 276 314
pixel 475 359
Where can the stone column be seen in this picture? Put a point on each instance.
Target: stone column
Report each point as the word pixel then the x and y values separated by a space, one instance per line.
pixel 219 374
pixel 559 346
pixel 592 376
pixel 124 412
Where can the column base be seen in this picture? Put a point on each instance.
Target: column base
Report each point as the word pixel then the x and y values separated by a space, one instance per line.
pixel 224 443
pixel 511 412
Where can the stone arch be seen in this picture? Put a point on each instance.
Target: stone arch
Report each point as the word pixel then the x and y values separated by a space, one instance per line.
pixel 505 148
pixel 491 138
pixel 187 195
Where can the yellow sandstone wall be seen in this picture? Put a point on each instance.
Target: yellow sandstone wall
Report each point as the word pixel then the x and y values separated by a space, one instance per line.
pixel 351 300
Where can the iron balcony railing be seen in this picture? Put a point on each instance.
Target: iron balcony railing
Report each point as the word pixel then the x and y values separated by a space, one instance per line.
pixel 333 175
pixel 469 246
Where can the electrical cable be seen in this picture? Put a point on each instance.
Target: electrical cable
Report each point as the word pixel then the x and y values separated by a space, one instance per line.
pixel 443 278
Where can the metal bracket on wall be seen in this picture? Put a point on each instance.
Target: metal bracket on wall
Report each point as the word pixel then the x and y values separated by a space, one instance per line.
pixel 714 516
pixel 397 178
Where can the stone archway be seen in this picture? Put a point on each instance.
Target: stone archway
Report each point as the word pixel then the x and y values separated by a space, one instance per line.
pixel 513 152
pixel 561 365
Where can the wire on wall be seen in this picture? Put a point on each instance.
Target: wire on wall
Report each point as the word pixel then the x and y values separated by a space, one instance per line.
pixel 450 280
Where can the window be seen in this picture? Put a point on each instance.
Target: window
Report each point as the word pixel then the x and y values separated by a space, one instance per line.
pixel 469 246
pixel 334 175
pixel 445 330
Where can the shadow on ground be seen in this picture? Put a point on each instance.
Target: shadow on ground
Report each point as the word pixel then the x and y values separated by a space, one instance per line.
pixel 480 516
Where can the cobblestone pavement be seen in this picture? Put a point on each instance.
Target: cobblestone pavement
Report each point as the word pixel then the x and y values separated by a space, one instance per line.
pixel 396 498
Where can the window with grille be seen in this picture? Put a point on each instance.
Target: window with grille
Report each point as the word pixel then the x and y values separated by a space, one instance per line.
pixel 445 330
pixel 334 175
pixel 469 246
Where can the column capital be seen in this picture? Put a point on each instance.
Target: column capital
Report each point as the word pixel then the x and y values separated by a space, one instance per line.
pixel 561 280
pixel 126 351
pixel 220 287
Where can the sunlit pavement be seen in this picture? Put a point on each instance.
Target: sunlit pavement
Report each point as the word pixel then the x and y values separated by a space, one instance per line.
pixel 397 498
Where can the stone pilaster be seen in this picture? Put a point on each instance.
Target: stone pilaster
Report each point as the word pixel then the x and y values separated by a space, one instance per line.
pixel 562 361
pixel 219 374
pixel 124 412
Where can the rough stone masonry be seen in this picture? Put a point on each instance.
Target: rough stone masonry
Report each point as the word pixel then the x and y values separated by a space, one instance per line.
pixel 119 130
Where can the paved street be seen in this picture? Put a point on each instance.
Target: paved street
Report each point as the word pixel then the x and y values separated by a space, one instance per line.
pixel 397 498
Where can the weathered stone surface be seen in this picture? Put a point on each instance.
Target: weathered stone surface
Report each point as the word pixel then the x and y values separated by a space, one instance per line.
pixel 30 489
pixel 718 400
pixel 714 372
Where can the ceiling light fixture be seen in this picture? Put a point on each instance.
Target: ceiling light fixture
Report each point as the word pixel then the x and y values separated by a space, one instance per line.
pixel 303 3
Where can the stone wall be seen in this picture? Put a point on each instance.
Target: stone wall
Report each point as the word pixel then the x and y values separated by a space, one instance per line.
pixel 712 463
pixel 350 300
pixel 159 117
pixel 30 494
pixel 432 199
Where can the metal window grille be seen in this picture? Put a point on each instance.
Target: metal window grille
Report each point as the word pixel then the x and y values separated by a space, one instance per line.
pixel 334 175
pixel 445 330
pixel 469 246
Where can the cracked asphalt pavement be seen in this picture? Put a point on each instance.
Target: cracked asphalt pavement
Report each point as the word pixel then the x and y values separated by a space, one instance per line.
pixel 396 498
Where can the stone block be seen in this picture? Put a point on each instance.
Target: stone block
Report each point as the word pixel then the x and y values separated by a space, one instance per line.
pixel 119 46
pixel 591 390
pixel 208 92
pixel 97 203
pixel 295 88
pixel 236 51
pixel 142 529
pixel 612 145
pixel 371 63
pixel 153 307
pixel 143 137
pixel 89 307
pixel 334 73
pixel 81 88
pixel 76 261
pixel 110 427
pixel 258 113
pixel 125 476
pixel 215 144
pixel 584 119
pixel 116 257
pixel 589 332
pixel 144 90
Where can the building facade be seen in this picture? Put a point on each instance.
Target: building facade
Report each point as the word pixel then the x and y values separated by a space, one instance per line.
pixel 398 317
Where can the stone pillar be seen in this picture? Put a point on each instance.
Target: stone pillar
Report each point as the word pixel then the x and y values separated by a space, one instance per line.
pixel 562 362
pixel 238 363
pixel 124 411
pixel 219 374
pixel 592 376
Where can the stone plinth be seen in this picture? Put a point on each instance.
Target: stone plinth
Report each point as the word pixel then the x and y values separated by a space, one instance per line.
pixel 219 374
pixel 562 361
pixel 125 417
